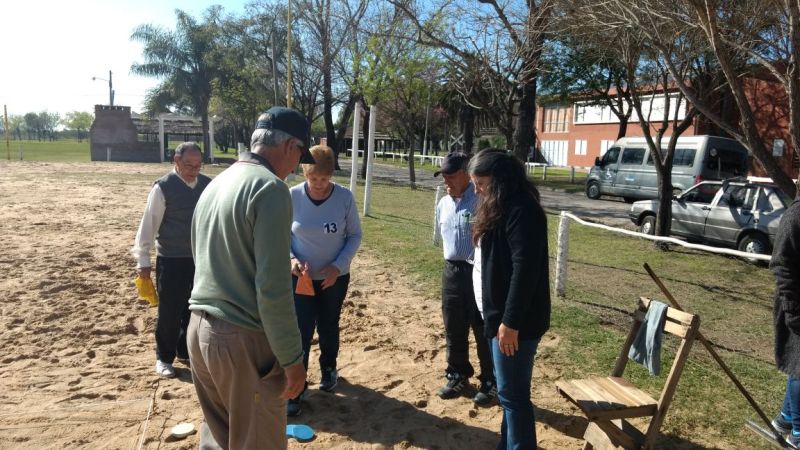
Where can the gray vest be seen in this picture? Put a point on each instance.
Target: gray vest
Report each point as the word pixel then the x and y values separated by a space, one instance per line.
pixel 174 239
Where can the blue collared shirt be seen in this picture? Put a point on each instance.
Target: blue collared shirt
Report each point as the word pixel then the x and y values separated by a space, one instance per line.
pixel 454 217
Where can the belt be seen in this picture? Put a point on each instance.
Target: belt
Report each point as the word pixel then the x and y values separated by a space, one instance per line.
pixel 458 262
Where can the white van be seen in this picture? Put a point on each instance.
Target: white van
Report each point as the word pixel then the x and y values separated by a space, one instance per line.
pixel 627 170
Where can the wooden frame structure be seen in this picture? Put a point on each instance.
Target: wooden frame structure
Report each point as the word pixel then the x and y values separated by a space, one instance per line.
pixel 608 402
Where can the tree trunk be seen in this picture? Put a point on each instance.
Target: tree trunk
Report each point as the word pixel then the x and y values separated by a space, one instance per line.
pixel 467 118
pixel 623 128
pixel 327 93
pixel 365 128
pixel 345 120
pixel 411 174
pixel 664 215
pixel 524 133
pixel 207 151
pixel 792 73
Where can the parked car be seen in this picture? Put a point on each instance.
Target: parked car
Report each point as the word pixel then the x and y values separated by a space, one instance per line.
pixel 732 213
pixel 628 170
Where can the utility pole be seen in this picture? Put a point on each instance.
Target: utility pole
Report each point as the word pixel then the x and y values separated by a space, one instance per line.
pixel 289 55
pixel 110 90
pixel 5 127
pixel 274 69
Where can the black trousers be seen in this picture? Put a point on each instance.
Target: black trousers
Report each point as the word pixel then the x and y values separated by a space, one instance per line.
pixel 460 315
pixel 321 311
pixel 174 278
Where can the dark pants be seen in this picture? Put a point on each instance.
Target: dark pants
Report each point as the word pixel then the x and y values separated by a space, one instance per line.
pixel 460 314
pixel 174 278
pixel 321 311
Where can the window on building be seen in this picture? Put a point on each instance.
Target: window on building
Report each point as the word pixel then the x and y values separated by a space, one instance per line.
pixel 556 119
pixel 605 144
pixel 580 147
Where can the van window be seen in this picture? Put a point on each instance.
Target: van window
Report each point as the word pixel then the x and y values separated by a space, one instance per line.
pixel 684 157
pixel 727 162
pixel 633 156
pixel 611 156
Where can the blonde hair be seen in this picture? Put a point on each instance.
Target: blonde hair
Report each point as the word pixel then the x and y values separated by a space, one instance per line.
pixel 324 161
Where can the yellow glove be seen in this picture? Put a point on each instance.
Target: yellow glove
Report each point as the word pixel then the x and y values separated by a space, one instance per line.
pixel 146 290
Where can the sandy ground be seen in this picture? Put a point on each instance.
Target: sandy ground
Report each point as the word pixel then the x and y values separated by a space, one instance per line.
pixel 76 364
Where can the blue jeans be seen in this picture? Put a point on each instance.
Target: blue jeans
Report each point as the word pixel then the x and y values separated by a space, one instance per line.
pixel 514 374
pixel 791 403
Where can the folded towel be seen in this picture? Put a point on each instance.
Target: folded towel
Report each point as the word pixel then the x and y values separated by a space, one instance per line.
pixel 646 348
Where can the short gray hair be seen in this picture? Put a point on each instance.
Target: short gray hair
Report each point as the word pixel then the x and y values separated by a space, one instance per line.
pixel 190 145
pixel 269 138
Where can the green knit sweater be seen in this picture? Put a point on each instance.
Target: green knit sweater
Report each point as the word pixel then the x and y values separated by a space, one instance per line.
pixel 240 242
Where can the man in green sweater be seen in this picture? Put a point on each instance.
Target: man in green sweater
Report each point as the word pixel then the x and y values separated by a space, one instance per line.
pixel 243 338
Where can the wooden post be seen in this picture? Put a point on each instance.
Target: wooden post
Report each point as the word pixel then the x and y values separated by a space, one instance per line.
pixel 562 253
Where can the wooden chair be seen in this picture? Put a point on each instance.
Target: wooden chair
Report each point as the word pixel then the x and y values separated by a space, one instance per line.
pixel 608 402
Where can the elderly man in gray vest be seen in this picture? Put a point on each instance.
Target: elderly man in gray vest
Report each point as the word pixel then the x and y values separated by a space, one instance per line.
pixel 167 220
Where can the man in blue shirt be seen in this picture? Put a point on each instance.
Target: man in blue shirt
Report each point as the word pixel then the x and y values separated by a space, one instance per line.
pixel 454 212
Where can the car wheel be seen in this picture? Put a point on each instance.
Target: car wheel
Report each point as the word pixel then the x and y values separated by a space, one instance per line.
pixel 754 243
pixel 648 225
pixel 593 190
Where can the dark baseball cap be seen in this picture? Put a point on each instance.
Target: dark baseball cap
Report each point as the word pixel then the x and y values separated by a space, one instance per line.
pixel 291 122
pixel 452 163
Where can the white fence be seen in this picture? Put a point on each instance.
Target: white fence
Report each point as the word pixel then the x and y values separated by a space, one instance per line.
pixel 562 251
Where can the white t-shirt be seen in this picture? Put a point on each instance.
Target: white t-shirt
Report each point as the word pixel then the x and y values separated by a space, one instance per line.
pixel 476 279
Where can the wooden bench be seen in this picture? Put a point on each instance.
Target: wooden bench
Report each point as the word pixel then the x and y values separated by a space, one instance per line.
pixel 608 401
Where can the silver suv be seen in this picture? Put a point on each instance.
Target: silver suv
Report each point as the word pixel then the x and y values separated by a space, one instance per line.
pixel 732 213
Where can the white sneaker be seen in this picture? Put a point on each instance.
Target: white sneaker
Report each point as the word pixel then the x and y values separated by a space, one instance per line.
pixel 164 370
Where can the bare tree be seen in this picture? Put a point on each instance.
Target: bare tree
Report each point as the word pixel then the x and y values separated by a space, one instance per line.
pixel 650 77
pixel 733 35
pixel 497 49
pixel 329 27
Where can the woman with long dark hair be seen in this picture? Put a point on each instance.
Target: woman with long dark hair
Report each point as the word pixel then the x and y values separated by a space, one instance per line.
pixel 511 230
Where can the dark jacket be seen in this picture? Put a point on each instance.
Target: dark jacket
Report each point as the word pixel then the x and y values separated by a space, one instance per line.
pixel 785 265
pixel 515 271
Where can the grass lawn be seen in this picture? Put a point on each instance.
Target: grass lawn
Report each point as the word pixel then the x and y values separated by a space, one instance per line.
pixel 605 277
pixel 64 150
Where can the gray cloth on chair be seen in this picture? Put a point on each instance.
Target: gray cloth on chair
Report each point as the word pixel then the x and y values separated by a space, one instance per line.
pixel 646 348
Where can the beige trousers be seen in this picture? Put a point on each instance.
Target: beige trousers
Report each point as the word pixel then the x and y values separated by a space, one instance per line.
pixel 238 383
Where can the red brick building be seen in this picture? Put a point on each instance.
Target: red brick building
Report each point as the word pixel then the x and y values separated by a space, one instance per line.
pixel 575 134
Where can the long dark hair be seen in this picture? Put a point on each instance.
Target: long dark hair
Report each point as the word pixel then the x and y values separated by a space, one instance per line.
pixel 508 180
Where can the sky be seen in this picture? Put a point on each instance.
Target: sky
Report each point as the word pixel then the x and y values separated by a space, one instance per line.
pixel 51 49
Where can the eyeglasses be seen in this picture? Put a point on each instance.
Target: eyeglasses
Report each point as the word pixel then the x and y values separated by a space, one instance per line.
pixel 191 166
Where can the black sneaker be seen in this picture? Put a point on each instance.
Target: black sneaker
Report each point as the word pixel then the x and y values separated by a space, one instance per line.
pixel 486 394
pixel 330 378
pixel 293 406
pixel 454 387
pixel 782 425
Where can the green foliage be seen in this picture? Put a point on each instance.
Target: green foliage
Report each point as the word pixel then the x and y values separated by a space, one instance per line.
pixel 78 121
